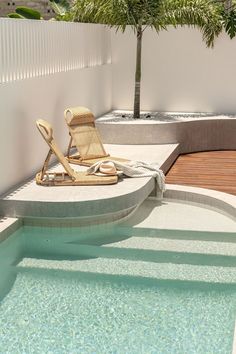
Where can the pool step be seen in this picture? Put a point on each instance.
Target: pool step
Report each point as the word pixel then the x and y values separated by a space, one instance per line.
pixel 108 234
pixel 147 270
pixel 176 245
pixel 138 252
pixel 77 251
pixel 176 234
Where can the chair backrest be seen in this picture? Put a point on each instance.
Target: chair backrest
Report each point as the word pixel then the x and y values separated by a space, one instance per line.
pixel 47 133
pixel 86 138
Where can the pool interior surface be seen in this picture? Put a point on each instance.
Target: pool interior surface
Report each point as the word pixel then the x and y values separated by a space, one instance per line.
pixel 56 312
pixel 125 288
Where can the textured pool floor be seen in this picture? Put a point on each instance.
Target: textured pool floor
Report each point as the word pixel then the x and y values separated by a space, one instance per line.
pixel 49 312
pixel 151 270
pixel 121 290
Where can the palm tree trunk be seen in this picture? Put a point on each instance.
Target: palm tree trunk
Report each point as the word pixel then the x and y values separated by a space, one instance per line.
pixel 138 73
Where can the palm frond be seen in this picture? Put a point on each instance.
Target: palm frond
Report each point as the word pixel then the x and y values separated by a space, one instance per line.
pixel 203 14
pixel 158 14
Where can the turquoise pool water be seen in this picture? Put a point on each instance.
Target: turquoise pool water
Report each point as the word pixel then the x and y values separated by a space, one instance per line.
pixel 61 304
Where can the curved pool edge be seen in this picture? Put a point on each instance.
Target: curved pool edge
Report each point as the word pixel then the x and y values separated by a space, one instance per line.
pixel 113 206
pixel 222 202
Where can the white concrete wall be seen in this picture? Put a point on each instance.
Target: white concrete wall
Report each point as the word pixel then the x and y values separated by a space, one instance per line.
pixel 40 77
pixel 179 72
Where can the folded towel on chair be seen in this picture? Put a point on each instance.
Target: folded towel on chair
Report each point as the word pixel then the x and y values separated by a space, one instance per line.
pixel 135 169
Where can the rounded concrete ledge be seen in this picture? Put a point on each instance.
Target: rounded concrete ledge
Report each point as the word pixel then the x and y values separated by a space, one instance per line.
pixel 89 204
pixel 193 135
pixel 219 201
pixel 100 203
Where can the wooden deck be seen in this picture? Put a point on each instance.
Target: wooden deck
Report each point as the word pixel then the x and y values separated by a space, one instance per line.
pixel 213 170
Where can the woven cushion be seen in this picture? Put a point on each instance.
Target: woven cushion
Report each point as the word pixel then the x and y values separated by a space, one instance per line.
pixel 78 115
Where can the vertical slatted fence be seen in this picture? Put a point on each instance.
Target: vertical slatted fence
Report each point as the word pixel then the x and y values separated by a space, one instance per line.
pixel 30 48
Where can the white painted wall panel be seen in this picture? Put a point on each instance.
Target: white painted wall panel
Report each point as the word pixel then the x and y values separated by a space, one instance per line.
pixel 179 72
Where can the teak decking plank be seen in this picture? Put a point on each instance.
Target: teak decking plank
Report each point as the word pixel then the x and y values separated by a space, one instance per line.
pixel 212 169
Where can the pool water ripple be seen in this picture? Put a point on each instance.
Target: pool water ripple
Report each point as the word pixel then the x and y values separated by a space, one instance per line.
pixel 65 293
pixel 51 313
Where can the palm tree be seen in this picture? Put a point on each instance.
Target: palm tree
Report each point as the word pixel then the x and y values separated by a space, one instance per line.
pixel 157 14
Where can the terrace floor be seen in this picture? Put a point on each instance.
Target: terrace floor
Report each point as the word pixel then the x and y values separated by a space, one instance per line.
pixel 213 170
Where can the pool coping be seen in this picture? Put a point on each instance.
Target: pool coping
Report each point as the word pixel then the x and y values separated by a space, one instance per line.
pixel 8 226
pixel 220 202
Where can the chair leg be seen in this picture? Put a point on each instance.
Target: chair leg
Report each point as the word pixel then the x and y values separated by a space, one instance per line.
pixel 46 162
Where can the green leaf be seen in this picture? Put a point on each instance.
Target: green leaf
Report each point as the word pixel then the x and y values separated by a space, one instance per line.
pixel 230 23
pixel 28 13
pixel 15 15
pixel 60 6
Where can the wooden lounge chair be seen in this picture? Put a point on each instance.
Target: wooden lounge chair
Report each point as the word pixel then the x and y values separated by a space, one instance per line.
pixel 70 177
pixel 86 138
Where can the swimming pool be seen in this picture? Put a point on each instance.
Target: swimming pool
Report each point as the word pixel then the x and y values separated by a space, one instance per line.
pixel 117 289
